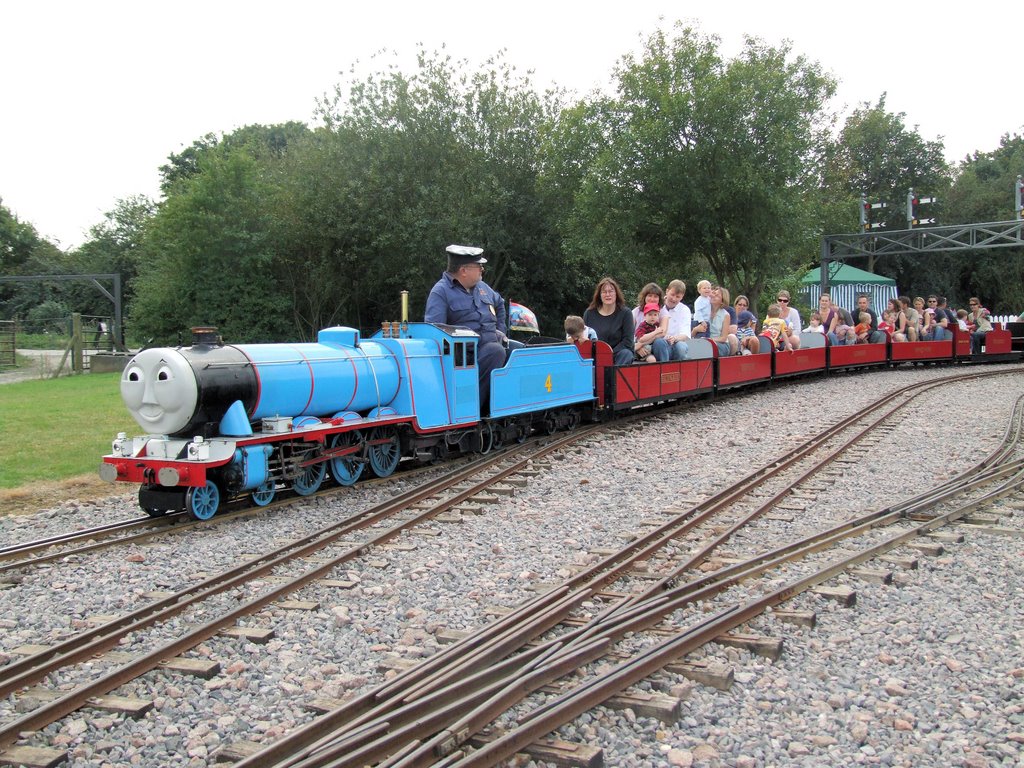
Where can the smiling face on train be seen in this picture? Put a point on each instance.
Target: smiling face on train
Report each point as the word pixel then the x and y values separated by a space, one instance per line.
pixel 160 390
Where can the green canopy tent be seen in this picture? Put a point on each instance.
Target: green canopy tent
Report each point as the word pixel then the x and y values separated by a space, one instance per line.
pixel 844 285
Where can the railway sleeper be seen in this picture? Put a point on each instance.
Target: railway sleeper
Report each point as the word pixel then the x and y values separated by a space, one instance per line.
pixel 33 757
pixel 564 754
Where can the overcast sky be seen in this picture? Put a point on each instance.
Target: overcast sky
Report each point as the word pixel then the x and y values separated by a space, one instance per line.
pixel 96 94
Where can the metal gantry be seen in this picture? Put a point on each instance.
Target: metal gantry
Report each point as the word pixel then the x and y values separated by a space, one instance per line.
pixel 944 239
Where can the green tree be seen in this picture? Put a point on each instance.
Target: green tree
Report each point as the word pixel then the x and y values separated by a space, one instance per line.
pixel 259 141
pixel 984 192
pixel 17 241
pixel 699 163
pixel 24 252
pixel 405 165
pixel 208 257
pixel 878 156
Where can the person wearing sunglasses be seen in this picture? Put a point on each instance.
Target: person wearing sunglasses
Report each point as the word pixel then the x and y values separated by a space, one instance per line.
pixel 941 324
pixel 980 321
pixel 791 317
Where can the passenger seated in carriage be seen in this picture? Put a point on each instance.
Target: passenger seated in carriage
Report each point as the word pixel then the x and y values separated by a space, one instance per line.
pixel 679 321
pixel 646 333
pixel 720 329
pixel 862 330
pixel 746 326
pixel 774 329
pixel 577 331
pixel 613 323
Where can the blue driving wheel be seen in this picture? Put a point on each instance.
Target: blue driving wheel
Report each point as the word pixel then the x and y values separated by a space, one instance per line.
pixel 202 503
pixel 264 494
pixel 346 469
pixel 309 481
pixel 383 451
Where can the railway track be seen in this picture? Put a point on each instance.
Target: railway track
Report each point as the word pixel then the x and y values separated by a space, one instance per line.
pixel 334 545
pixel 630 608
pixel 433 714
pixel 84 541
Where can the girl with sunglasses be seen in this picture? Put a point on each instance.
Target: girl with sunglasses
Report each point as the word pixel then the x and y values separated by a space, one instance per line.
pixel 791 317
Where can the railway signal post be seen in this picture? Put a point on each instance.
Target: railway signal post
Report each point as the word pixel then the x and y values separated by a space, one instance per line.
pixel 866 208
pixel 913 213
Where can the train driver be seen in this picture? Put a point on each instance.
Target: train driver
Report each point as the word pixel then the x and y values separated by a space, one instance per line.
pixel 461 297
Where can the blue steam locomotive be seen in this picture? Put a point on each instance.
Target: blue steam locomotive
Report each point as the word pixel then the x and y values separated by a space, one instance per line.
pixel 223 421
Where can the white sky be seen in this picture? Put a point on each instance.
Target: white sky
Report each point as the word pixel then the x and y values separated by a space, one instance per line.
pixel 97 93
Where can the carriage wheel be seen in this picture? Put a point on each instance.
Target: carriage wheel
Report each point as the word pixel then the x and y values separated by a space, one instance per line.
pixel 384 456
pixel 309 481
pixel 201 503
pixel 264 494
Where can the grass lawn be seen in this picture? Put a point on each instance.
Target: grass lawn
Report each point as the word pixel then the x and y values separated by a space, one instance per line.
pixel 56 429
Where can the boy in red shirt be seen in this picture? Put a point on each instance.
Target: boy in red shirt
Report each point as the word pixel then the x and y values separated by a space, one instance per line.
pixel 647 332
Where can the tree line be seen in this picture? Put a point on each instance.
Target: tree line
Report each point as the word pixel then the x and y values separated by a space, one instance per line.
pixel 694 166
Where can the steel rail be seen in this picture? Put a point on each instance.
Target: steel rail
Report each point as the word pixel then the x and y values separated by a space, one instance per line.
pixel 16 553
pixel 11 550
pixel 544 719
pixel 172 523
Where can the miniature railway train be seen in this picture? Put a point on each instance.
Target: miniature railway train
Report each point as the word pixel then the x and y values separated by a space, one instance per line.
pixel 225 421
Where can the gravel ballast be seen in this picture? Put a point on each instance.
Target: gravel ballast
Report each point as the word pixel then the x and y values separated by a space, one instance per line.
pixel 926 671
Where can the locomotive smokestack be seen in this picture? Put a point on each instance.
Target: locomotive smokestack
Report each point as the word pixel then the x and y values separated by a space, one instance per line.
pixel 206 335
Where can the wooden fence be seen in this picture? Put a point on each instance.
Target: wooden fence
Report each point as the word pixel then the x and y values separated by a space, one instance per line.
pixel 8 339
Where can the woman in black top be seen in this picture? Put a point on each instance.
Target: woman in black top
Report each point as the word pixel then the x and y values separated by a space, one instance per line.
pixel 613 323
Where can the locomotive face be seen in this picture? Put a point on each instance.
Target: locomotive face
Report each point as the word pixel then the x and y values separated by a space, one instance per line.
pixel 160 390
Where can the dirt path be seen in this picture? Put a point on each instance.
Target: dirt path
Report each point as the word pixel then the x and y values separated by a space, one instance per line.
pixel 44 363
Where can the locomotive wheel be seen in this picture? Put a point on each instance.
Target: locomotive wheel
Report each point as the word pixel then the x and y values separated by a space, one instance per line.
pixel 385 455
pixel 202 503
pixel 346 470
pixel 574 420
pixel 264 494
pixel 309 481
pixel 550 424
